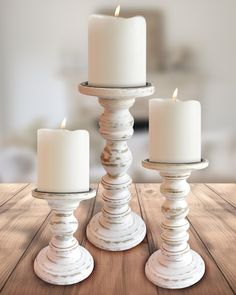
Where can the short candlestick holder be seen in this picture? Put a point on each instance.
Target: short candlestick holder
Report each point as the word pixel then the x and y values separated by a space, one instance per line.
pixel 116 227
pixel 175 265
pixel 64 261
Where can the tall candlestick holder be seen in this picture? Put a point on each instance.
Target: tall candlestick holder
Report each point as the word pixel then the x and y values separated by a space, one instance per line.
pixel 175 265
pixel 64 261
pixel 116 227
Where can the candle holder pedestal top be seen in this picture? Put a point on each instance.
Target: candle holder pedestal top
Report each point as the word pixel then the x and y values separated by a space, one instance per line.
pixel 64 261
pixel 122 93
pixel 116 227
pixel 175 166
pixel 175 265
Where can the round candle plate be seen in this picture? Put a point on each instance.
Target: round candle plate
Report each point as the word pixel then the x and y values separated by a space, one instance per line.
pixel 175 265
pixel 114 93
pixel 175 166
pixel 77 196
pixel 64 261
pixel 116 227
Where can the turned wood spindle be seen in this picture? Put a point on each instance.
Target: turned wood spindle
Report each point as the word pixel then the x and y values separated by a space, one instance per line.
pixel 63 261
pixel 175 265
pixel 116 227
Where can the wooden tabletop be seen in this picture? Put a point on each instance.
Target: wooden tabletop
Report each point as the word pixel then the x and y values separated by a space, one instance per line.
pixel 24 231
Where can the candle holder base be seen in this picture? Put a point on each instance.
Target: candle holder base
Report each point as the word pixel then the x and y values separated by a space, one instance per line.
pixel 175 265
pixel 116 227
pixel 64 272
pixel 64 261
pixel 116 238
pixel 174 277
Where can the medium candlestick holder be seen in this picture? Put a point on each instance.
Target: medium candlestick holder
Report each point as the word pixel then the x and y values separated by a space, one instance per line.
pixel 116 227
pixel 175 265
pixel 64 261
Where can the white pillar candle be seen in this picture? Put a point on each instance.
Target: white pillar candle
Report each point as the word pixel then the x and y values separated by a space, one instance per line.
pixel 174 131
pixel 63 160
pixel 117 51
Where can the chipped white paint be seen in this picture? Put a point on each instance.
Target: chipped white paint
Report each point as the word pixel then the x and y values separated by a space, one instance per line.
pixel 116 227
pixel 175 265
pixel 64 261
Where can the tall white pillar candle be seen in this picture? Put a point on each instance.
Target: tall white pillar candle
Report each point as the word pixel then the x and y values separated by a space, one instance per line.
pixel 174 131
pixel 117 51
pixel 63 160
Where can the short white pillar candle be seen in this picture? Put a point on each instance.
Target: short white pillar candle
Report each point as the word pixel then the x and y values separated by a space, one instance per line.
pixel 174 131
pixel 63 160
pixel 117 51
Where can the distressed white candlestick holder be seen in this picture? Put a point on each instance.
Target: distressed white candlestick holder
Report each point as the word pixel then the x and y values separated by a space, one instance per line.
pixel 175 265
pixel 116 227
pixel 64 261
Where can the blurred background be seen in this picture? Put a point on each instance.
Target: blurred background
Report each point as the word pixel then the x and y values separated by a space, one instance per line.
pixel 43 58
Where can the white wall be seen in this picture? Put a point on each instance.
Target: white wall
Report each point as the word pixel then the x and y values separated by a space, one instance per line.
pixel 38 38
pixel 41 40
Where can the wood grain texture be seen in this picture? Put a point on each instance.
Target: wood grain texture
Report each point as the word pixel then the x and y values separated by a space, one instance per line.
pixel 20 219
pixel 23 280
pixel 24 231
pixel 213 281
pixel 214 220
pixel 227 191
pixel 9 190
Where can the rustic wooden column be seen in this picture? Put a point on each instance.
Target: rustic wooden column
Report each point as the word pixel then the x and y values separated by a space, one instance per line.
pixel 175 265
pixel 64 261
pixel 116 227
